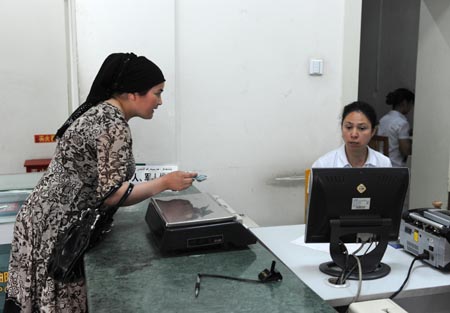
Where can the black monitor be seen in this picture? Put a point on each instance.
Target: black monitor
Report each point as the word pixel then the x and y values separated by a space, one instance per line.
pixel 351 205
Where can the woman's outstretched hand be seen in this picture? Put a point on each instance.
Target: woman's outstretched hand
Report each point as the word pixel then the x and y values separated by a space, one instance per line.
pixel 179 180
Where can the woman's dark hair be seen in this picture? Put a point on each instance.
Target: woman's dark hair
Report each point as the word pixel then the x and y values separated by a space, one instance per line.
pixel 119 73
pixel 364 108
pixel 399 95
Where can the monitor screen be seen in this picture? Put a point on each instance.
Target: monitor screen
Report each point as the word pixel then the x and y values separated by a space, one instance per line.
pixel 359 195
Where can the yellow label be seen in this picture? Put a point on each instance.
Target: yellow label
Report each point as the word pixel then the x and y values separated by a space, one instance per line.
pixel 416 236
pixel 3 277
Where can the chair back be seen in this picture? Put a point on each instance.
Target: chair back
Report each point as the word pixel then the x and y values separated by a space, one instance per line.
pixel 307 176
pixel 380 144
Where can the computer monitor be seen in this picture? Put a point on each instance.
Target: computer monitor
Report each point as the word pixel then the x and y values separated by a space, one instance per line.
pixel 352 204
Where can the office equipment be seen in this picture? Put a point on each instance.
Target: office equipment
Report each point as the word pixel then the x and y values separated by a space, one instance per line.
pixel 195 221
pixel 427 230
pixel 356 205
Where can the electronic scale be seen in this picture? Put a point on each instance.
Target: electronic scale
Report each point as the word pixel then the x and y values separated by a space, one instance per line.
pixel 193 221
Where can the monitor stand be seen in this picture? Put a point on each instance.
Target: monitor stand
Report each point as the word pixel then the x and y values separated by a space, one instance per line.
pixel 371 265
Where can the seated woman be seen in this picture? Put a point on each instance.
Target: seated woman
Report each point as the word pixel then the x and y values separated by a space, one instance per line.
pixel 395 126
pixel 358 125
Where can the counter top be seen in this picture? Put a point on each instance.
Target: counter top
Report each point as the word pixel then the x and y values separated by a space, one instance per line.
pixel 127 273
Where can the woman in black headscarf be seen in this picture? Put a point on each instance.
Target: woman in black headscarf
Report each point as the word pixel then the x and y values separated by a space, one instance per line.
pixel 93 154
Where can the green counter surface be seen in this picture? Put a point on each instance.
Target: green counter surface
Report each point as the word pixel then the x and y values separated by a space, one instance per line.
pixel 5 250
pixel 127 273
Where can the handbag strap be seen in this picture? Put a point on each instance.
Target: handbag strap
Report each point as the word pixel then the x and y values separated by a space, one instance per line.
pixel 112 210
pixel 125 195
pixel 110 192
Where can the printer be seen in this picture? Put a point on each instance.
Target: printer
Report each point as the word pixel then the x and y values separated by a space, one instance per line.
pixel 427 230
pixel 181 222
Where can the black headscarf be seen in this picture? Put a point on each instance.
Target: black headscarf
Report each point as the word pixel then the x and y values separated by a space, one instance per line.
pixel 119 73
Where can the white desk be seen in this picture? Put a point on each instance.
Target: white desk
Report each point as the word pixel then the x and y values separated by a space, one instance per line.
pixel 425 284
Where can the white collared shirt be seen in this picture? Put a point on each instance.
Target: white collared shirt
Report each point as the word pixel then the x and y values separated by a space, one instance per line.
pixel 338 158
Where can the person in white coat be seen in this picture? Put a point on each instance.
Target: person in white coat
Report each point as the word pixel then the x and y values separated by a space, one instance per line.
pixel 395 125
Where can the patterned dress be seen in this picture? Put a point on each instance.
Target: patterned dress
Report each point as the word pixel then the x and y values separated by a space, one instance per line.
pixel 93 155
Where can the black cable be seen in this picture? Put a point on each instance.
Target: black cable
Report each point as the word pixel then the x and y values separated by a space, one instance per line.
pixel 346 272
pixel 247 280
pixel 200 275
pixel 425 255
pixel 355 265
pixel 340 280
pixel 264 277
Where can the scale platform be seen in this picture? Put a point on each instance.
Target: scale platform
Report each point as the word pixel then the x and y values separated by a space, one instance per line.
pixel 195 221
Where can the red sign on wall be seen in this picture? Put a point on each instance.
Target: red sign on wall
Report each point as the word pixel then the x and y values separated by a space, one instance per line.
pixel 44 138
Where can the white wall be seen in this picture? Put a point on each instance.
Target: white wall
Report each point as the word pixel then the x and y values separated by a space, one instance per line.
pixel 430 164
pixel 146 28
pixel 239 105
pixel 261 115
pixel 238 93
pixel 33 79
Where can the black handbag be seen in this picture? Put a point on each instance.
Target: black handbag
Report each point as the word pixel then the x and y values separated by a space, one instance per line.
pixel 66 260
